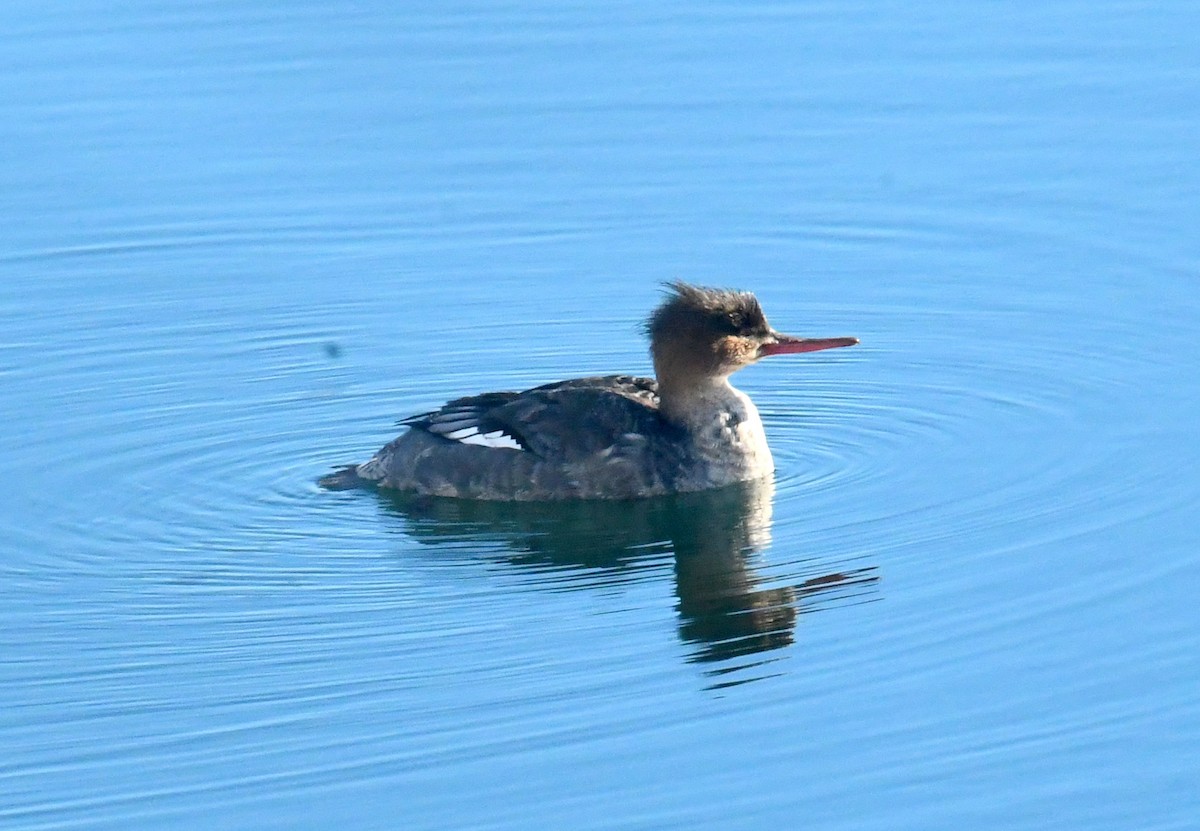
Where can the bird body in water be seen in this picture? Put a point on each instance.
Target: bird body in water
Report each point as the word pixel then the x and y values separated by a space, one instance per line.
pixel 605 437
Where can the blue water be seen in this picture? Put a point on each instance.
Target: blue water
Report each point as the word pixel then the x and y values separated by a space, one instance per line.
pixel 238 241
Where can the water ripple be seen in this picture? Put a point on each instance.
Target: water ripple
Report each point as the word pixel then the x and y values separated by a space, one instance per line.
pixel 177 453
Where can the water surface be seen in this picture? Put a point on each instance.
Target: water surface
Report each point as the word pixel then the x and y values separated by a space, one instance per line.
pixel 238 243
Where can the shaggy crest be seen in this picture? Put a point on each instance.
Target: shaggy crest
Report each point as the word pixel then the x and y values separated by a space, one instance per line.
pixel 721 310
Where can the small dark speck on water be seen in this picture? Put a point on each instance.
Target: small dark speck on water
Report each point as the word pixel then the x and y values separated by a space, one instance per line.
pixel 332 350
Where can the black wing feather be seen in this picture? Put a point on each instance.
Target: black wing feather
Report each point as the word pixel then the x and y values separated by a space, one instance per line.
pixel 568 419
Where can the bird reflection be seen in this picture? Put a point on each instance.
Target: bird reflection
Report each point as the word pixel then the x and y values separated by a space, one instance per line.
pixel 716 538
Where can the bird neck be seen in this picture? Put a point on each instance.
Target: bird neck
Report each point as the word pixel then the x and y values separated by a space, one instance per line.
pixel 726 434
pixel 697 400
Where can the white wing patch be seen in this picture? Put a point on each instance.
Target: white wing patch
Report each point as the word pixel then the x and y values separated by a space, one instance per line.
pixel 471 435
pixel 466 431
pixel 496 438
pixel 467 422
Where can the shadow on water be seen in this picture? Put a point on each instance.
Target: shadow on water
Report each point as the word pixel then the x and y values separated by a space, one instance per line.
pixel 716 539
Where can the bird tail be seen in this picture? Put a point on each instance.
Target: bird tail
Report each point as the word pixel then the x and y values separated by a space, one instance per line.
pixel 343 479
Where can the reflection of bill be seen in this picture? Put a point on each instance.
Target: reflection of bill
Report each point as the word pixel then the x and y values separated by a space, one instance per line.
pixel 716 537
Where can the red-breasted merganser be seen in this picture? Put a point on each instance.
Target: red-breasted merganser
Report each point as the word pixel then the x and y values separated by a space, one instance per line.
pixel 610 437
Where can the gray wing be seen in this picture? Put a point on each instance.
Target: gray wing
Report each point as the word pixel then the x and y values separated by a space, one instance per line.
pixel 471 420
pixel 565 421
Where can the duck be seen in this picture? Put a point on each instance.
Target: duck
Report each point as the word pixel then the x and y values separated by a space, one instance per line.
pixel 605 437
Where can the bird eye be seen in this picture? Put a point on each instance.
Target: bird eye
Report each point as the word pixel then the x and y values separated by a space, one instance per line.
pixel 736 321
